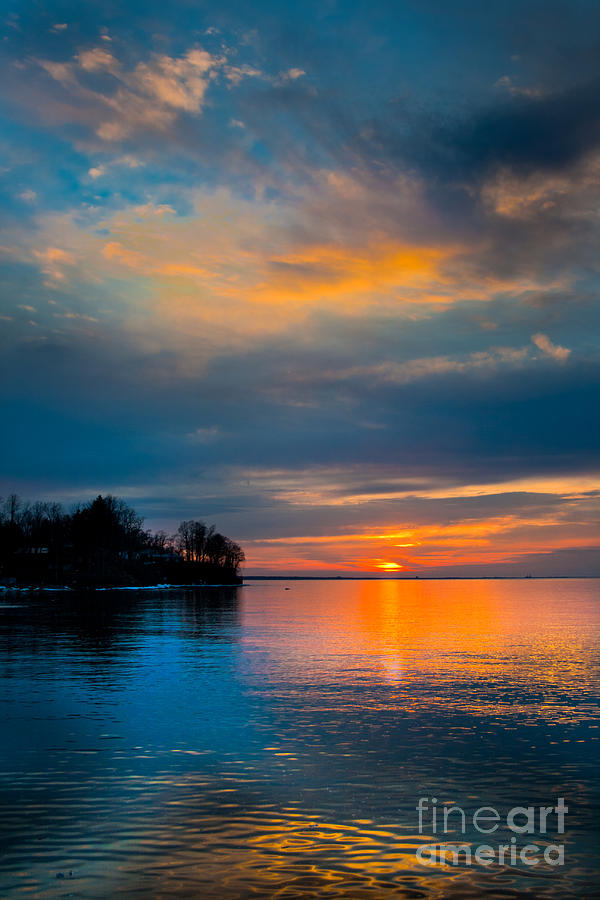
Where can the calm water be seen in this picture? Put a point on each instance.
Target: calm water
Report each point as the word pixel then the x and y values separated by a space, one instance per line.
pixel 263 742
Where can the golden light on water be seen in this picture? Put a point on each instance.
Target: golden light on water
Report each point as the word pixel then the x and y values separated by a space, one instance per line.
pixel 274 742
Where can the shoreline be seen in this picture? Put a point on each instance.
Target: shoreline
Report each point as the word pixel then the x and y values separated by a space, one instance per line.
pixel 66 589
pixel 245 582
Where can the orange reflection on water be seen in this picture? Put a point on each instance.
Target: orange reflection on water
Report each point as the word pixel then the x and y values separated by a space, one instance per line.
pixel 272 740
pixel 518 632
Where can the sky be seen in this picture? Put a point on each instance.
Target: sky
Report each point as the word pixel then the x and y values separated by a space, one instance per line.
pixel 322 273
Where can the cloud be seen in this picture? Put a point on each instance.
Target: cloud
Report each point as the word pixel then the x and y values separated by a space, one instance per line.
pixel 412 534
pixel 525 133
pixel 288 75
pixel 206 435
pixel 52 261
pixel 507 83
pixel 405 372
pixel 127 161
pixel 572 194
pixel 293 74
pixel 152 96
pixel 98 59
pixel 560 354
pixel 63 72
pixel 353 485
pixel 236 74
pixel 240 251
pixel 177 83
pixel 236 268
pixel 148 97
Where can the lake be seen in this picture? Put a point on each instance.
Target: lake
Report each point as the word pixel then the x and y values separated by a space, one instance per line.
pixel 274 740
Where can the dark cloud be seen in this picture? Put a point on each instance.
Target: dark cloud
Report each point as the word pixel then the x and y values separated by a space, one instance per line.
pixel 522 133
pixel 292 404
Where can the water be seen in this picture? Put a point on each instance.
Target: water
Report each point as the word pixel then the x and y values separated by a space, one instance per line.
pixel 263 742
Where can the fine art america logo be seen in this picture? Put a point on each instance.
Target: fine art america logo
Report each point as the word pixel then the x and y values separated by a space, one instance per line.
pixel 521 820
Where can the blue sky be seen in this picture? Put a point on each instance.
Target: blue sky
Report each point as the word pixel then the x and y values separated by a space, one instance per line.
pixel 325 274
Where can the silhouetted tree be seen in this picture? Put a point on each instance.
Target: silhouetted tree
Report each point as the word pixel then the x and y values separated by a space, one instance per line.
pixel 192 539
pixel 159 541
pixel 106 529
pixel 104 539
pixel 11 533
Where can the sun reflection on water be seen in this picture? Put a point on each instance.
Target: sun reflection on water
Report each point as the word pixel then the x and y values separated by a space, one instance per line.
pixel 257 742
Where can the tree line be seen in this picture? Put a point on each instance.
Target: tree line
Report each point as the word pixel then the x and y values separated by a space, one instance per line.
pixel 105 540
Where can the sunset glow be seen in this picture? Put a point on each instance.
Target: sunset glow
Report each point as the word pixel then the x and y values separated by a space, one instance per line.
pixel 300 457
pixel 334 298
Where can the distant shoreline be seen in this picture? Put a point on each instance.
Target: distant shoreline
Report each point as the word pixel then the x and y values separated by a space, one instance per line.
pixel 413 577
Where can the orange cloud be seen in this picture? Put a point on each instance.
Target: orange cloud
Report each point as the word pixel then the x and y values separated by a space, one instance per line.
pixel 330 486
pixel 328 272
pixel 486 541
pixel 560 354
pixel 149 96
pixel 233 269
pixel 53 260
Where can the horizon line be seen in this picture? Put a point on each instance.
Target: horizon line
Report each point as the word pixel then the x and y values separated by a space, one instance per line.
pixel 371 577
